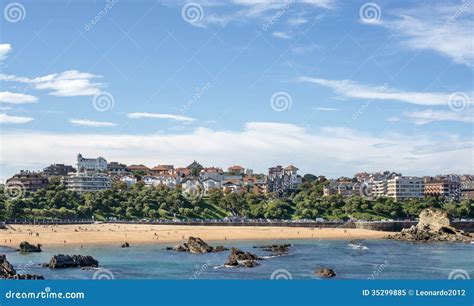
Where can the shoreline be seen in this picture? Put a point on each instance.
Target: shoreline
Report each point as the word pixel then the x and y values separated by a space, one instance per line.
pixel 116 234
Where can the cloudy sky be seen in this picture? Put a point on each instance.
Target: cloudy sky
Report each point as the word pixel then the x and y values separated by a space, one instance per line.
pixel 330 86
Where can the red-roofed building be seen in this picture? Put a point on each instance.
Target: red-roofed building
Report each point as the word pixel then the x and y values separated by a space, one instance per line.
pixel 162 170
pixel 236 169
pixel 140 167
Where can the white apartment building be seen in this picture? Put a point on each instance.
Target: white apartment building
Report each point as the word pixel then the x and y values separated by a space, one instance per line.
pixel 129 180
pixel 405 187
pixel 83 182
pixel 91 164
pixel 155 181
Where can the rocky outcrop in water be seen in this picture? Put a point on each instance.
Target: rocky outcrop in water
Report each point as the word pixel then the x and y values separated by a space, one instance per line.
pixel 434 225
pixel 26 247
pixel 8 272
pixel 196 245
pixel 6 269
pixel 71 261
pixel 238 258
pixel 325 273
pixel 276 249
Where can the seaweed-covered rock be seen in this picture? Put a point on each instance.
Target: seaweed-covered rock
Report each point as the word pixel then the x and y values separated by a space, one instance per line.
pixel 325 273
pixel 277 249
pixel 238 258
pixel 196 245
pixel 6 269
pixel 61 261
pixel 8 272
pixel 26 247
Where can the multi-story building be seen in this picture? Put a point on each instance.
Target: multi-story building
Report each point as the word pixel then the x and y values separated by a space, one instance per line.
pixel 162 170
pixel 86 182
pixel 115 168
pixel 345 189
pixel 377 183
pixel 156 181
pixel 238 170
pixel 98 164
pixel 138 168
pixel 58 170
pixel 129 180
pixel 442 188
pixel 211 173
pixel 467 188
pixel 231 186
pixel 405 187
pixel 378 188
pixel 182 172
pixel 27 181
pixel 260 186
pixel 210 184
pixel 282 179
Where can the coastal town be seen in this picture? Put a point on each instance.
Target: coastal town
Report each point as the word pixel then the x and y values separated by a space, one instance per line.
pixel 96 174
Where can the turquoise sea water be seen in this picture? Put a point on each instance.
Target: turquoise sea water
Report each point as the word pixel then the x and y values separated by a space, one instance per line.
pixel 384 259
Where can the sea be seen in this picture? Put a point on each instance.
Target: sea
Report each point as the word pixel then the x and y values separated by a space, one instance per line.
pixel 364 259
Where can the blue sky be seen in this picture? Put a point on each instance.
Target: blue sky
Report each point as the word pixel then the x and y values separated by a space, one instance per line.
pixel 330 86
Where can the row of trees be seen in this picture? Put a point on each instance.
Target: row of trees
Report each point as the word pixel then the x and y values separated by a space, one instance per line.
pixel 140 202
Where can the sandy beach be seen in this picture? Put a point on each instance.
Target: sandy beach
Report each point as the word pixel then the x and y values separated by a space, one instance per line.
pixel 142 233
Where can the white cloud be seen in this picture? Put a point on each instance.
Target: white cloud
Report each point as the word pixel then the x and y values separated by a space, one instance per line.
pixel 85 122
pixel 282 35
pixel 351 89
pixel 441 27
pixel 67 83
pixel 429 115
pixel 6 119
pixel 304 49
pixel 393 119
pixel 159 116
pixel 223 12
pixel 297 21
pixel 329 151
pixel 4 50
pixel 16 98
pixel 326 109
